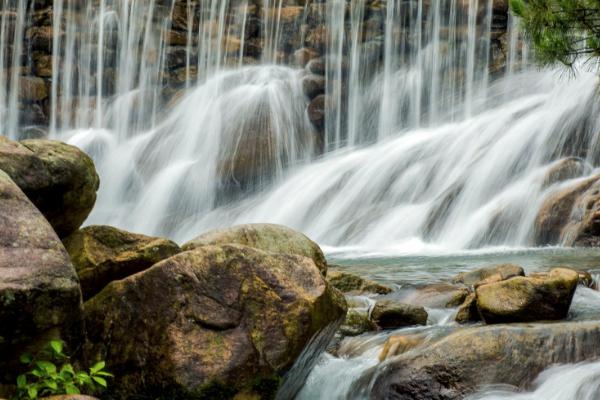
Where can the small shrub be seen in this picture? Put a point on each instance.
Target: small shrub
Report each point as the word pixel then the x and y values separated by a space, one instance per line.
pixel 53 374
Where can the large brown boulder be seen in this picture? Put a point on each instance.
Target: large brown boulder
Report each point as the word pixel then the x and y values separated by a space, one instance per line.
pixel 102 254
pixel 58 178
pixel 39 291
pixel 215 321
pixel 268 237
pixel 459 364
pixel 524 299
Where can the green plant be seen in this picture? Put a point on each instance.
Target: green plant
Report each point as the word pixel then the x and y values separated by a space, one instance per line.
pixel 561 30
pixel 53 374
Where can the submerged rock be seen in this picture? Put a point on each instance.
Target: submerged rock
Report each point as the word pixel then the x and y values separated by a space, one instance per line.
pixel 391 314
pixel 350 283
pixel 215 321
pixel 567 168
pixel 267 237
pixel 524 299
pixel 496 273
pixel 59 179
pixel 455 366
pixel 439 295
pixel 39 291
pixel 102 254
pixel 399 344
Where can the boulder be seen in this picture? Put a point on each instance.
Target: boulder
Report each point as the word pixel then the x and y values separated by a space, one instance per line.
pixel 267 237
pixel 39 291
pixel 59 179
pixel 555 212
pixel 524 299
pixel 439 295
pixel 391 314
pixel 491 274
pixel 356 323
pixel 212 323
pixel 350 283
pixel 459 364
pixel 102 254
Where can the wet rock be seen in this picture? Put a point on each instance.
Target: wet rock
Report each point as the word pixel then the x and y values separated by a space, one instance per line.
pixel 567 168
pixel 267 237
pixel 440 295
pixel 356 323
pixel 350 283
pixel 58 178
pixel 455 366
pixel 102 254
pixel 303 56
pixel 524 299
pixel 555 212
pixel 491 274
pixel 32 88
pixel 214 321
pixel 39 291
pixel 391 314
pixel 468 311
pixel 399 344
pixel 313 85
pixel 583 226
pixel 316 111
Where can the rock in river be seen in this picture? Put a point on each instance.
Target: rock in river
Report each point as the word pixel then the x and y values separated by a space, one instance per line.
pixel 457 365
pixel 524 299
pixel 391 314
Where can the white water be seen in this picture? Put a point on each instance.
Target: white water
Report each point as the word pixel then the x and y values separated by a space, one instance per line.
pixel 390 194
pixel 572 382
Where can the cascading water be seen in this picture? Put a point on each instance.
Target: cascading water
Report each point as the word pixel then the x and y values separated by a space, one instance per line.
pixel 404 83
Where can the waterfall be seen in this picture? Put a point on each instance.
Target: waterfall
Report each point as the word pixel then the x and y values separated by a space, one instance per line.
pixel 374 124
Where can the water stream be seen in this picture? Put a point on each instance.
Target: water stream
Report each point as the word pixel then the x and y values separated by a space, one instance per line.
pixel 434 156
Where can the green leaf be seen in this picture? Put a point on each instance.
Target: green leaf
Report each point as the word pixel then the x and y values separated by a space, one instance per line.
pixel 103 373
pixel 32 392
pixel 57 346
pixel 72 389
pixel 67 369
pixel 99 381
pixel 46 366
pixel 51 384
pixel 98 367
pixel 25 358
pixel 21 381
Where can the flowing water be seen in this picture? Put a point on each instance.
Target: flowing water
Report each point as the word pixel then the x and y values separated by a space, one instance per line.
pixel 431 159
